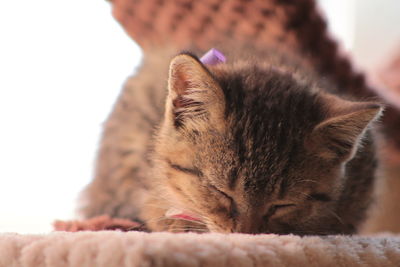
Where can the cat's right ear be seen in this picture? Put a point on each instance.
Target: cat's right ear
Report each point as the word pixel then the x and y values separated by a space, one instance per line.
pixel 337 137
pixel 195 100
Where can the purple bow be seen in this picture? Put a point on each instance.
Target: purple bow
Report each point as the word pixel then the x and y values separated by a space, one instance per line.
pixel 213 57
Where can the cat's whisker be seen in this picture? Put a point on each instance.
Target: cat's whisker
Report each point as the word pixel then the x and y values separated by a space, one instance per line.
pixel 187 220
pixel 170 204
pixel 186 229
pixel 302 193
pixel 137 228
pixel 155 220
pixel 326 208
pixel 335 215
pixel 322 233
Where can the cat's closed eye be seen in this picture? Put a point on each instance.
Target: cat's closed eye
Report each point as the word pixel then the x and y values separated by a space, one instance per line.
pixel 279 209
pixel 188 170
pixel 228 201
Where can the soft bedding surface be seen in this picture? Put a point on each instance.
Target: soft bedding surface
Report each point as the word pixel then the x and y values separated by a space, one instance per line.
pixel 114 248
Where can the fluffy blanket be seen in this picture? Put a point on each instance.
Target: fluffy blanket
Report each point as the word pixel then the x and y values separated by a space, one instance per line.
pixel 114 248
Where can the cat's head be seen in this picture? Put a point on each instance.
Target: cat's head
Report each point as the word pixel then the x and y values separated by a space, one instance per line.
pixel 255 149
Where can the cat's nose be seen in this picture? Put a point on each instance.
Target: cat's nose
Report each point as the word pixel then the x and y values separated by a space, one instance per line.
pixel 246 229
pixel 248 225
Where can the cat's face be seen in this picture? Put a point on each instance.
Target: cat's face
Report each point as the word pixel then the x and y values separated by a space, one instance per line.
pixel 246 149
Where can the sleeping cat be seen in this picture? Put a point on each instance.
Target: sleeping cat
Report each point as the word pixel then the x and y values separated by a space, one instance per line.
pixel 258 144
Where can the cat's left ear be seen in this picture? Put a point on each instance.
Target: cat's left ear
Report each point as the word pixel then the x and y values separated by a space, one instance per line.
pixel 195 99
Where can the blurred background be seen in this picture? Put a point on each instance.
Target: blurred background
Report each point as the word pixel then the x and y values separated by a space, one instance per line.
pixel 62 65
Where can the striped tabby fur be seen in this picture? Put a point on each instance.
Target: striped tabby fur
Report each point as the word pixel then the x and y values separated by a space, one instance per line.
pixel 257 145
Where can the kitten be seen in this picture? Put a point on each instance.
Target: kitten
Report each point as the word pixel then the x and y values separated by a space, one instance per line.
pixel 255 145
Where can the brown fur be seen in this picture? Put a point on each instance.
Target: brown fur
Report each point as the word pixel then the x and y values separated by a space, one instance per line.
pixel 256 145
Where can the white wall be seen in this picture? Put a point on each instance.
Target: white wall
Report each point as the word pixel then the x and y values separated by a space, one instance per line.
pixel 340 14
pixel 369 30
pixel 62 64
pixel 377 24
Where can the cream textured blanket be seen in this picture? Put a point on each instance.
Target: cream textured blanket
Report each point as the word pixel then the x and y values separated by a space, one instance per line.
pixel 113 248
